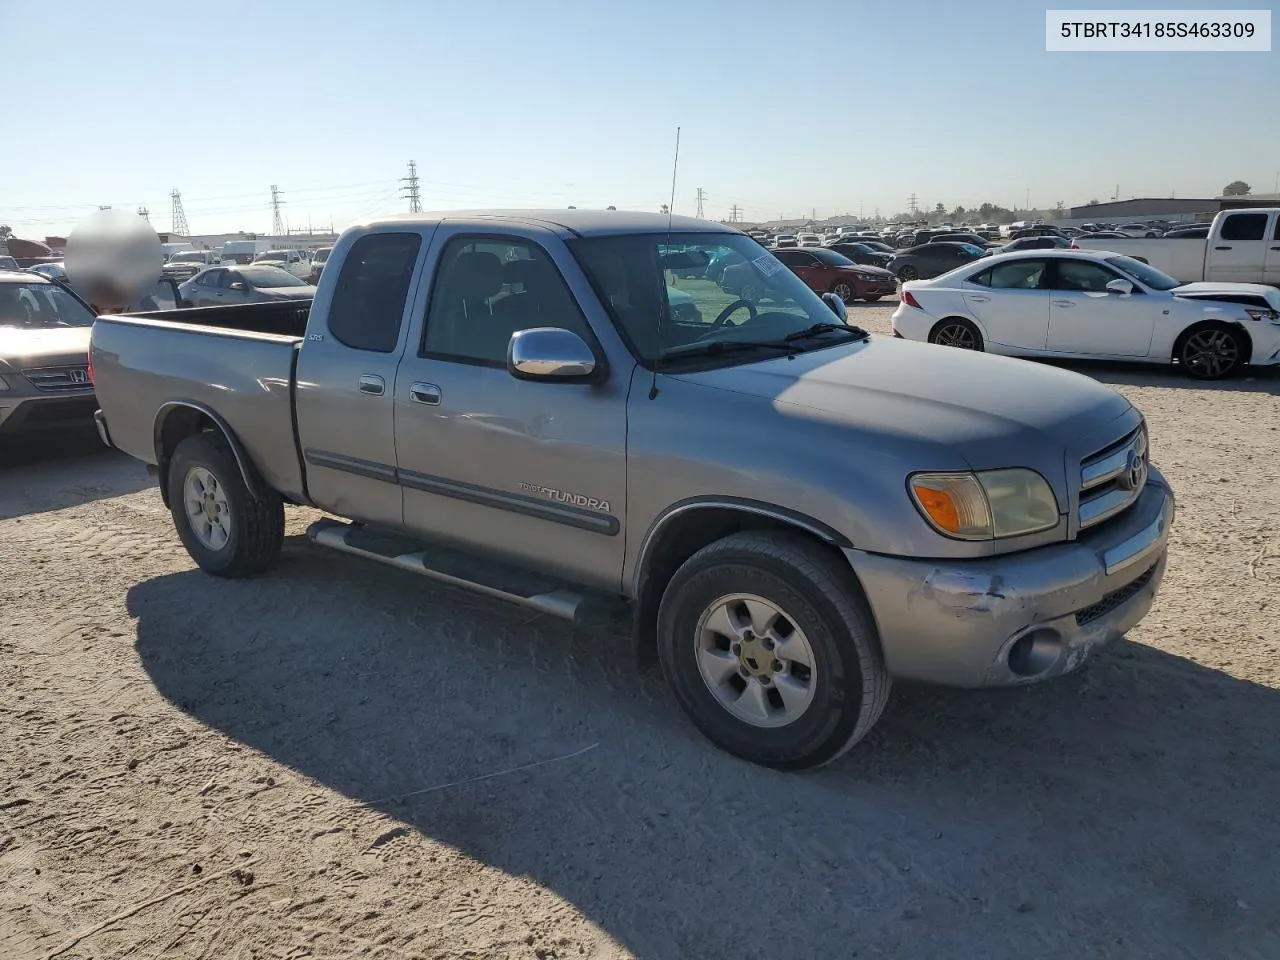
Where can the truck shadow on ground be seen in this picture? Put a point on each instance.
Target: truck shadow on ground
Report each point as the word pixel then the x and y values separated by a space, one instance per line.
pixel 1126 811
pixel 40 474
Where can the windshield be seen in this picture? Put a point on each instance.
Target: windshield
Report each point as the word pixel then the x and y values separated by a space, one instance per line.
pixel 750 295
pixel 877 246
pixel 191 257
pixel 282 255
pixel 40 306
pixel 1144 273
pixel 270 277
pixel 970 249
pixel 322 255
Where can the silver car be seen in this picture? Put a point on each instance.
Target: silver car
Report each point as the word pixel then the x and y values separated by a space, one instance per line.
pixel 220 286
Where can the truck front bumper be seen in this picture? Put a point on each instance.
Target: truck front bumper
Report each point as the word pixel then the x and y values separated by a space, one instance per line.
pixel 1023 617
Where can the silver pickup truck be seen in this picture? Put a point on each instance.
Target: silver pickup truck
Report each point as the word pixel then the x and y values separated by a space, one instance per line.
pixel 562 410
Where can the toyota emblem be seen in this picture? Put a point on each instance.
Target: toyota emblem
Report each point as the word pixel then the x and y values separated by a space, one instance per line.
pixel 1135 473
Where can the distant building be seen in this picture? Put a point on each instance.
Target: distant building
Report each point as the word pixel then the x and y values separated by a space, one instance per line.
pixel 1249 200
pixel 1142 209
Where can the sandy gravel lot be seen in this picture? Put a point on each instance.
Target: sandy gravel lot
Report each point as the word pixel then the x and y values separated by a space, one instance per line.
pixel 339 760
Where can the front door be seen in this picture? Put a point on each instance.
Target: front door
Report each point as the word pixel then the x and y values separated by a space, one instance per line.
pixel 346 378
pixel 531 471
pixel 1239 252
pixel 1086 318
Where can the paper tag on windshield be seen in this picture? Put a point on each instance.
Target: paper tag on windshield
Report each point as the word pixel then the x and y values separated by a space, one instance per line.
pixel 767 264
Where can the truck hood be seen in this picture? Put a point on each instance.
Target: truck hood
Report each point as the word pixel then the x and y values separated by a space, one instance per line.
pixel 61 346
pixel 960 407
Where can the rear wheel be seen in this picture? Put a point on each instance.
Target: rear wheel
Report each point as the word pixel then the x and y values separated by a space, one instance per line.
pixel 771 650
pixel 1211 352
pixel 872 299
pixel 227 531
pixel 908 273
pixel 956 332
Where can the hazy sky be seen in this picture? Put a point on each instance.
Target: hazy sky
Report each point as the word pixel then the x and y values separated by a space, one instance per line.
pixel 785 107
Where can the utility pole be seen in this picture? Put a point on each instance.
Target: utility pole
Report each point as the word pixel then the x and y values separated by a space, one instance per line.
pixel 1028 206
pixel 277 224
pixel 1116 195
pixel 915 204
pixel 410 191
pixel 735 214
pixel 177 217
pixel 701 196
pixel 145 214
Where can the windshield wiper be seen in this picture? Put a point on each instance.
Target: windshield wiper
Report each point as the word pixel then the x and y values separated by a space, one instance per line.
pixel 714 348
pixel 857 333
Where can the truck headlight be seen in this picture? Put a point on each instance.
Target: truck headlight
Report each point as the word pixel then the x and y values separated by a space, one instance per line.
pixel 987 505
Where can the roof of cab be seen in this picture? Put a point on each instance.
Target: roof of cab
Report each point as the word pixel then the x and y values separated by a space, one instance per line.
pixel 582 223
pixel 22 276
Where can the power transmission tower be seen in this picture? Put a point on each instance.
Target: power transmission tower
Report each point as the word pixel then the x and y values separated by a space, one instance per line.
pixel 411 190
pixel 915 204
pixel 735 214
pixel 277 223
pixel 701 195
pixel 178 218
pixel 145 214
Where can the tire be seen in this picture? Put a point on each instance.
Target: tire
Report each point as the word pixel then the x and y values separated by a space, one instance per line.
pixel 908 273
pixel 956 332
pixel 871 299
pixel 246 545
pixel 843 289
pixel 814 594
pixel 1211 351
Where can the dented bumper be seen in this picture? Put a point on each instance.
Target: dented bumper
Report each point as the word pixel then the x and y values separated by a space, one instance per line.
pixel 1023 617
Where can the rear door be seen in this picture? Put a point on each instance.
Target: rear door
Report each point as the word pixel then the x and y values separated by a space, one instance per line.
pixel 1011 302
pixel 1239 252
pixel 533 471
pixel 346 377
pixel 207 290
pixel 805 266
pixel 1086 318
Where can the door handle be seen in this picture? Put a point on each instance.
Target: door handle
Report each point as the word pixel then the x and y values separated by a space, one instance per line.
pixel 980 299
pixel 1063 303
pixel 427 393
pixel 1222 248
pixel 372 385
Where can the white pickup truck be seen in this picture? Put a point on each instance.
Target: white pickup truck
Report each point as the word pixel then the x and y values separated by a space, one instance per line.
pixel 1243 246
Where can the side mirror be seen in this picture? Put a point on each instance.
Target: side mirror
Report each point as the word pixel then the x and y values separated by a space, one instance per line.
pixel 550 354
pixel 837 306
pixel 1122 287
pixel 238 285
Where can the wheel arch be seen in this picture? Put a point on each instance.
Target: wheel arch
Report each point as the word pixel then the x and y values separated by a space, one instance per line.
pixel 178 419
pixel 686 527
pixel 1209 323
pixel 977 325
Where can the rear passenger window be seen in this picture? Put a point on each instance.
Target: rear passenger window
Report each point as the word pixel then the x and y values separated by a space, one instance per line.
pixel 1244 226
pixel 487 289
pixel 368 301
pixel 1014 275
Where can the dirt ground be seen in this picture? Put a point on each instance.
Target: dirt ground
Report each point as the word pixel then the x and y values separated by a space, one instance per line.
pixel 339 760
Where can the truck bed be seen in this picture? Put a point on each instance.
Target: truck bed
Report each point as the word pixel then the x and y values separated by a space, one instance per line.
pixel 238 362
pixel 1179 257
pixel 285 317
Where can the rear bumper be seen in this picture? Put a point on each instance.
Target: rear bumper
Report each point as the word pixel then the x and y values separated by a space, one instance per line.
pixel 100 421
pixel 1020 618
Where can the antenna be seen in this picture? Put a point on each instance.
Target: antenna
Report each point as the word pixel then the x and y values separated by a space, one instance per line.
pixel 675 165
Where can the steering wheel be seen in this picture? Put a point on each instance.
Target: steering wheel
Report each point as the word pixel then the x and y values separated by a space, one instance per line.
pixel 723 319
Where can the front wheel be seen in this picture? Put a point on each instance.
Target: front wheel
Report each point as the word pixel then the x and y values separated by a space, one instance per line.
pixel 908 273
pixel 871 299
pixel 1211 353
pixel 771 651
pixel 843 289
pixel 227 531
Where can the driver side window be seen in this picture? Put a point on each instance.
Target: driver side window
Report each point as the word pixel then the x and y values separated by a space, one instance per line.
pixel 1082 276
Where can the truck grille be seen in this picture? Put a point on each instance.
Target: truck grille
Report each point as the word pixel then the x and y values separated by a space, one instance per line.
pixel 1115 599
pixel 58 379
pixel 1112 479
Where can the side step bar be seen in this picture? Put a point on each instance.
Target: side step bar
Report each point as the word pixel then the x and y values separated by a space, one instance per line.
pixel 490 578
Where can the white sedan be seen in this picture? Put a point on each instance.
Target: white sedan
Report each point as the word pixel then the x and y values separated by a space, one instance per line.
pixel 1093 304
